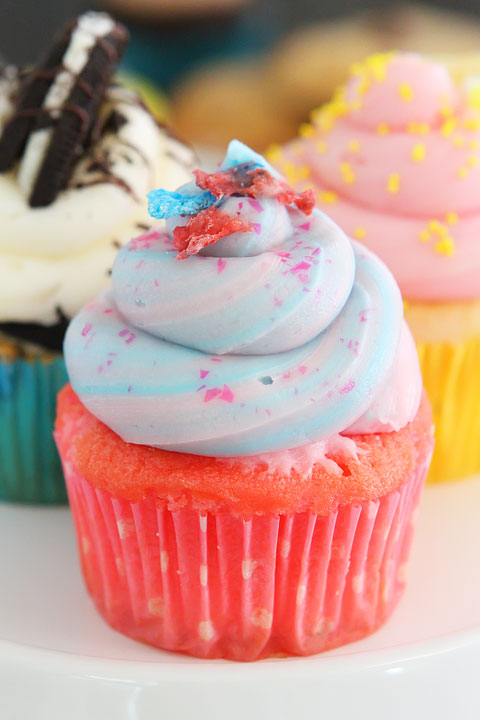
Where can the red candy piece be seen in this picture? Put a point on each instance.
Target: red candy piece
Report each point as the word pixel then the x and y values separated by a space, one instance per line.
pixel 204 229
pixel 254 182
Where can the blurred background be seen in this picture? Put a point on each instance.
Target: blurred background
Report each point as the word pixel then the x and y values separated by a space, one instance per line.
pixel 252 69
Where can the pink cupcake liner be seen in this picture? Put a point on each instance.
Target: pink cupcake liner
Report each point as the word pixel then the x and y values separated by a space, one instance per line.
pixel 217 585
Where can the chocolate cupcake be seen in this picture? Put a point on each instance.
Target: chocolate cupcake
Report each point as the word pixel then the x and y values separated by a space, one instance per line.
pixel 78 153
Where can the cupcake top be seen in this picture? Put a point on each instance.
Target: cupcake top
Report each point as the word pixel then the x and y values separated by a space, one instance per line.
pixel 395 159
pixel 77 156
pixel 250 325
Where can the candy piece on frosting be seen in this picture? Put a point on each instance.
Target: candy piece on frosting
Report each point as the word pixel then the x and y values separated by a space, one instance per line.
pixel 205 228
pixel 164 204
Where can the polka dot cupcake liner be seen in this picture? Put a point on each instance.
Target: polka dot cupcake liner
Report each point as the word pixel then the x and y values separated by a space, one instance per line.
pixel 215 585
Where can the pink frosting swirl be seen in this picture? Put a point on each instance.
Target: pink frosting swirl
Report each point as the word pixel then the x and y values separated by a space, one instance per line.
pixel 395 158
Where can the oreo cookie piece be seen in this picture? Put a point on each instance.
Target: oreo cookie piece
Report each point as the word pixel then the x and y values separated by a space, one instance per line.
pixel 31 95
pixel 64 121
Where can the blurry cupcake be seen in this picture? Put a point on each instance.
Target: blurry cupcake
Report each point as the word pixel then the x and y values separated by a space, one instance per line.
pixel 245 439
pixel 394 159
pixel 77 155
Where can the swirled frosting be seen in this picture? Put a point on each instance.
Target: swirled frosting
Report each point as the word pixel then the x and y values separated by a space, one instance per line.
pixel 395 159
pixel 267 340
pixel 54 259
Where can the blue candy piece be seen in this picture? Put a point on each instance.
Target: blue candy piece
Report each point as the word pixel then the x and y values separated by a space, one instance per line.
pixel 164 204
pixel 238 154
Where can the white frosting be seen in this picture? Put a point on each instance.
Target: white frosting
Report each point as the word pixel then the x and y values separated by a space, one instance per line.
pixel 59 256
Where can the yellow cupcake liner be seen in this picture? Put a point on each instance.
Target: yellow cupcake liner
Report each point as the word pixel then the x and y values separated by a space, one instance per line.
pixel 452 379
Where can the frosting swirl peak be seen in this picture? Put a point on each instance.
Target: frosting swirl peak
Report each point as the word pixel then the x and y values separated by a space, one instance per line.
pixel 267 339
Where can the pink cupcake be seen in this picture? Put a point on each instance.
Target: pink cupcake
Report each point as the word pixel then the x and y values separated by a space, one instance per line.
pixel 246 440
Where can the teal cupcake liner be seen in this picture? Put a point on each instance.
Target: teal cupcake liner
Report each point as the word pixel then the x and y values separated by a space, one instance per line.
pixel 30 469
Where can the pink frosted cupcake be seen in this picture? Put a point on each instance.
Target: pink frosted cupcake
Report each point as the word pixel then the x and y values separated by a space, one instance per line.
pixel 246 439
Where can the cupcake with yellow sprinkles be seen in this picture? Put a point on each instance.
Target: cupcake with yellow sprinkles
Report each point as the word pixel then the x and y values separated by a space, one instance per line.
pixel 394 159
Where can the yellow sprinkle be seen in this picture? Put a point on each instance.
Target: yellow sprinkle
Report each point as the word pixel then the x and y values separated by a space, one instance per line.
pixel 274 152
pixel 424 236
pixel 305 130
pixel 354 146
pixel 473 161
pixel 294 174
pixel 405 91
pixel 377 65
pixel 328 197
pixel 473 144
pixel 438 228
pixel 451 218
pixel 418 152
pixel 321 146
pixel 472 123
pixel 462 172
pixel 359 233
pixel 418 128
pixel 445 246
pixel 393 183
pixel 446 111
pixel 383 129
pixel 347 173
pixel 449 126
pixel 474 97
pixel 458 141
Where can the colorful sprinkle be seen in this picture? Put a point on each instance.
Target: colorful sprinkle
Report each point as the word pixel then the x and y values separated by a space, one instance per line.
pixel 393 183
pixel 359 233
pixel 347 173
pixel 406 92
pixel 383 129
pixel 328 197
pixel 419 152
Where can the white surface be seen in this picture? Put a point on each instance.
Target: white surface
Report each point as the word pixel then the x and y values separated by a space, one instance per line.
pixel 59 661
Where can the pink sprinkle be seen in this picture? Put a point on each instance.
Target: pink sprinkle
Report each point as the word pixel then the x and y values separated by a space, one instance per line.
pixel 240 205
pixel 86 329
pixel 363 315
pixel 305 226
pixel 221 265
pixel 215 360
pixel 303 277
pixel 156 283
pixel 131 338
pixel 353 346
pixel 283 254
pixel 129 389
pixel 201 387
pixel 316 251
pixel 268 412
pixel 100 368
pixel 302 369
pixel 227 394
pixel 212 393
pixel 328 261
pixel 277 301
pixel 300 266
pixel 108 310
pixel 122 333
pixel 204 373
pixel 109 362
pixel 286 375
pixel 255 204
pixel 139 264
pixel 348 387
pixel 257 228
pixel 267 286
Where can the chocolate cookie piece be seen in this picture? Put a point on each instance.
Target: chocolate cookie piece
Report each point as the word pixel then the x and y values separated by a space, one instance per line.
pixel 31 95
pixel 61 124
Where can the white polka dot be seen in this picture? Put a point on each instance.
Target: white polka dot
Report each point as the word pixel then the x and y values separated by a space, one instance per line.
pixel 358 583
pixel 261 618
pixel 402 573
pixel 324 626
pixel 163 560
pixel 125 528
pixel 86 545
pixel 120 566
pixel 203 523
pixel 248 568
pixel 156 607
pixel 284 548
pixel 301 592
pixel 205 630
pixel 203 575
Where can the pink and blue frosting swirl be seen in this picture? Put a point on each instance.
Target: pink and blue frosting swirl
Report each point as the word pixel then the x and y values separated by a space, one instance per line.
pixel 266 340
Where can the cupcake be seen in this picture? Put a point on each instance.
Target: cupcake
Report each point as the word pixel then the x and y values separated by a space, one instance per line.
pixel 245 438
pixel 77 155
pixel 395 160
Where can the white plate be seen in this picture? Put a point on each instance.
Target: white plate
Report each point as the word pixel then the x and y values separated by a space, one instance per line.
pixel 59 661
